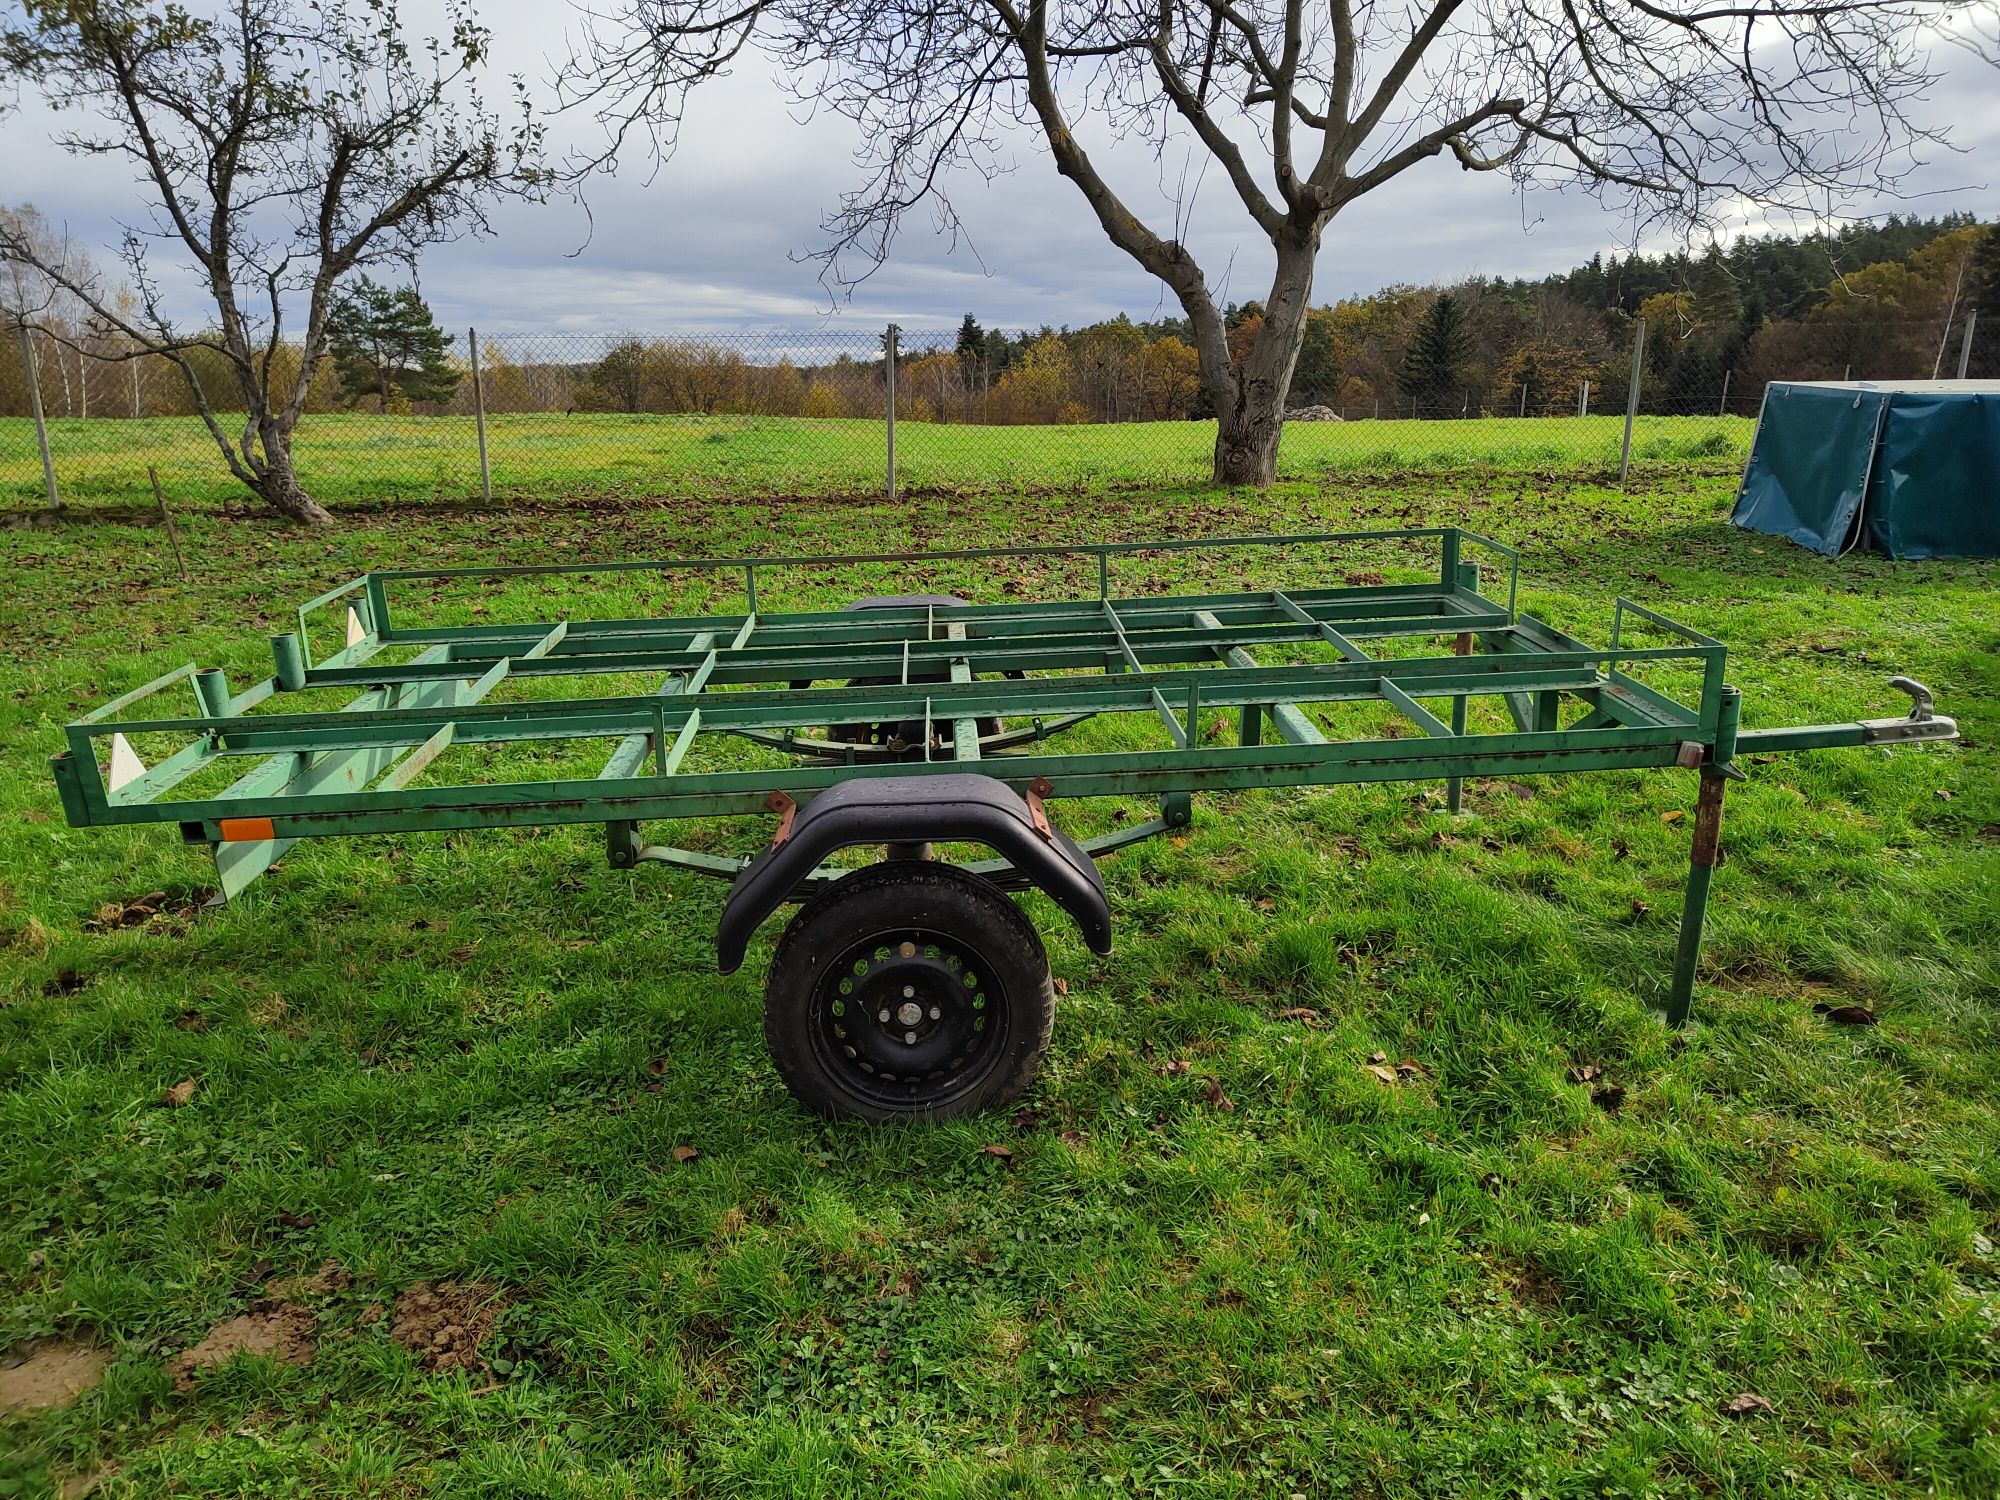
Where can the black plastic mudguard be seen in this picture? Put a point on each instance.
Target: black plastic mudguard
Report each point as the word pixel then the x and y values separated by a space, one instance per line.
pixel 915 810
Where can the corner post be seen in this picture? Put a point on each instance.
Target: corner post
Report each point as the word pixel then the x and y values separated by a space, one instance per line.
pixel 35 411
pixel 889 370
pixel 1702 860
pixel 1632 398
pixel 479 416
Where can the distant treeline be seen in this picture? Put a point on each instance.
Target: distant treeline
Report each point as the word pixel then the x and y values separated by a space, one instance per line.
pixel 1881 301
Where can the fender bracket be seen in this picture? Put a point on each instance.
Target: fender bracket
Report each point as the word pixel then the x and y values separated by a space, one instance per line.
pixel 915 810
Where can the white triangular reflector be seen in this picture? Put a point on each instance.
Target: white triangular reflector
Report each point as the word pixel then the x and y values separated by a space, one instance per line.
pixel 125 763
pixel 355 634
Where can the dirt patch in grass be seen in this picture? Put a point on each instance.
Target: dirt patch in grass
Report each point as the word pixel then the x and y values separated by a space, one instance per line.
pixel 278 1330
pixel 444 1324
pixel 49 1372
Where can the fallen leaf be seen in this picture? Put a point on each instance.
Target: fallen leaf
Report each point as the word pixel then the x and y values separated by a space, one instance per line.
pixel 1621 849
pixel 255 1277
pixel 296 1221
pixel 1744 1404
pixel 1002 1154
pixel 1410 1067
pixel 1609 1098
pixel 1945 794
pixel 179 1094
pixel 1846 1015
pixel 657 1066
pixel 1672 815
pixel 1585 1072
pixel 1062 987
pixel 1026 1120
pixel 1176 1065
pixel 1378 1057
pixel 1386 1074
pixel 1640 908
pixel 1265 903
pixel 1071 1138
pixel 685 1154
pixel 1212 1089
pixel 1298 1013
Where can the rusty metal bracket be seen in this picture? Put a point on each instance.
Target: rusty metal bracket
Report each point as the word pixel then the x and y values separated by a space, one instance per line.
pixel 787 811
pixel 1039 788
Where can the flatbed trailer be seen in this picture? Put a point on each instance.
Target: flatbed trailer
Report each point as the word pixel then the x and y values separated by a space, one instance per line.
pixel 912 987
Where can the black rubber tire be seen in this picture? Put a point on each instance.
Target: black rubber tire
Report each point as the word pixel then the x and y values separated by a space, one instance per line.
pixel 959 944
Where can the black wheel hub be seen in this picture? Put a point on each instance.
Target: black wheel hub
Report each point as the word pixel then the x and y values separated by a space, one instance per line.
pixel 909 1017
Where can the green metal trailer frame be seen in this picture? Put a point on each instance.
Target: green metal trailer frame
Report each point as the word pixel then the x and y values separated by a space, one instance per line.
pixel 928 664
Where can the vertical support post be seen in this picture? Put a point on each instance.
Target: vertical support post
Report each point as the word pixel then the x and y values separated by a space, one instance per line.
pixel 1454 786
pixel 35 411
pixel 889 369
pixel 133 364
pixel 1524 398
pixel 378 606
pixel 1722 406
pixel 479 416
pixel 1250 728
pixel 211 686
pixel 1694 905
pixel 1965 342
pixel 289 662
pixel 1632 397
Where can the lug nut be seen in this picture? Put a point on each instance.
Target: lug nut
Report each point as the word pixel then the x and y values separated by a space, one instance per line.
pixel 910 1037
pixel 935 1012
pixel 883 1017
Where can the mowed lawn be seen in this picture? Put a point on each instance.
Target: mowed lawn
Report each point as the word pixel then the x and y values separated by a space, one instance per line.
pixel 1218 1254
pixel 346 459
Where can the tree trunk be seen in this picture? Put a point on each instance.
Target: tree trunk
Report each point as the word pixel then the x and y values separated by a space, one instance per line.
pixel 279 488
pixel 1250 411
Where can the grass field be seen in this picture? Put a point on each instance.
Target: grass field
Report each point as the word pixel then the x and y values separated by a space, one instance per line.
pixel 348 459
pixel 461 1067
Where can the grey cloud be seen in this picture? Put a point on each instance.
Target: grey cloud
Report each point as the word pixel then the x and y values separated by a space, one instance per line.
pixel 713 240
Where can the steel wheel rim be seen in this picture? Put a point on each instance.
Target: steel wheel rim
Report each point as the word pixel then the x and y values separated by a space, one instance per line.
pixel 909 1018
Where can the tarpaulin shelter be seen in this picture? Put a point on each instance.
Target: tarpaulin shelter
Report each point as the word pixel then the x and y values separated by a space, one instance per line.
pixel 1910 468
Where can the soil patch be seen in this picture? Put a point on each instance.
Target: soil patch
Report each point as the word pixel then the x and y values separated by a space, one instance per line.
pixel 49 1372
pixel 274 1329
pixel 445 1323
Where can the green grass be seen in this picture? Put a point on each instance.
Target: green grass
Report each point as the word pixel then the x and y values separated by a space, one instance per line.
pixel 436 1058
pixel 350 459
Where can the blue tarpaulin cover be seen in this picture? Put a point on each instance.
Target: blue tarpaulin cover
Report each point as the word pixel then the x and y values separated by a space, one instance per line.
pixel 1910 468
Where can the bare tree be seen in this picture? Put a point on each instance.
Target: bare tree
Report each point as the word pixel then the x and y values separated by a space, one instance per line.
pixel 1672 108
pixel 281 144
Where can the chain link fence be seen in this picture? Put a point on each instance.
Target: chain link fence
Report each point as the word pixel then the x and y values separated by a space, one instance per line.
pixel 558 415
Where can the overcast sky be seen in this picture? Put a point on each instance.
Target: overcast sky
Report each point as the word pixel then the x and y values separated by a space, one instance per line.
pixel 713 239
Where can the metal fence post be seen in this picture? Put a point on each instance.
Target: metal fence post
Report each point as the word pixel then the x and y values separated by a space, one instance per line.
pixel 135 388
pixel 35 410
pixel 889 365
pixel 1965 343
pixel 479 416
pixel 1632 397
pixel 1722 406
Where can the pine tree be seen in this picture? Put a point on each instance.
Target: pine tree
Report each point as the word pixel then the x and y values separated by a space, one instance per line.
pixel 385 344
pixel 971 339
pixel 1983 297
pixel 1718 304
pixel 1433 373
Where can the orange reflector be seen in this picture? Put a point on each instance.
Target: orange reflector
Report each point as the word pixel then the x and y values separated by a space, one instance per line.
pixel 246 830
